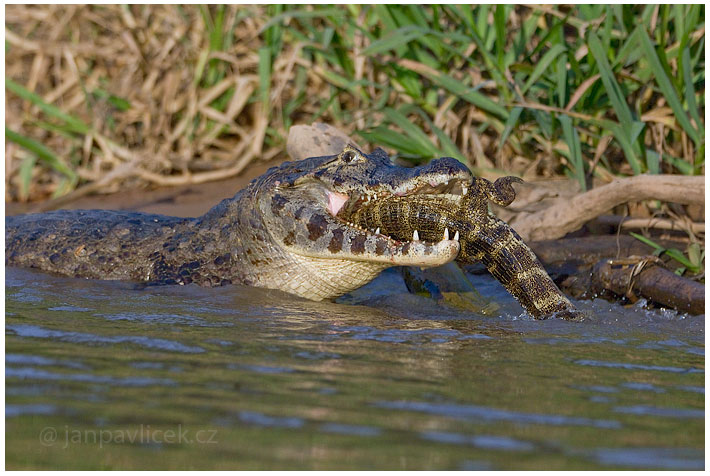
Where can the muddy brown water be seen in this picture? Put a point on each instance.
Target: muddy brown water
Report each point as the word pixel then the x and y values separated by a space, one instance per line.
pixel 118 376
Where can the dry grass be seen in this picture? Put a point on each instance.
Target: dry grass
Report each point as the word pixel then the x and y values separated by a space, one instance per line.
pixel 137 78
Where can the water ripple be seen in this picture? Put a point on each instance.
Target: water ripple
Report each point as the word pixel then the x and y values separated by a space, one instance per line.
pixel 260 419
pixel 357 430
pixel 691 388
pixel 488 442
pixel 262 369
pixel 577 340
pixel 151 318
pixel 23 359
pixel 643 386
pixel 662 458
pixel 622 365
pixel 454 410
pixel 29 409
pixel 662 412
pixel 38 374
pixel 398 336
pixel 26 330
pixel 69 308
pixel 597 388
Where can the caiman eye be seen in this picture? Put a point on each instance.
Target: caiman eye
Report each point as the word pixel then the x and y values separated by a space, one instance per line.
pixel 348 156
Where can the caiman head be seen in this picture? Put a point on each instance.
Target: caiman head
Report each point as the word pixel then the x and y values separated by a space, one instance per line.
pixel 301 204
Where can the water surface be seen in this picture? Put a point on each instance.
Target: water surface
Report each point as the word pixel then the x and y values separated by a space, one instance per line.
pixel 118 376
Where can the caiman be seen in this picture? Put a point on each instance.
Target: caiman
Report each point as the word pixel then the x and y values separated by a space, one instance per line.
pixel 286 230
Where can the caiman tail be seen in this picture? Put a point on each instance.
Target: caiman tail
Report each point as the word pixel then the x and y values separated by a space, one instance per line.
pixel 482 236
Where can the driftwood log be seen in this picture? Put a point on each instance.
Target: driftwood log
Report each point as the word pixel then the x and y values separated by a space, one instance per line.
pixel 626 223
pixel 569 215
pixel 645 277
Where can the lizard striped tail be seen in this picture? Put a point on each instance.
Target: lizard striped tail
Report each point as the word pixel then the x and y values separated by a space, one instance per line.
pixel 515 266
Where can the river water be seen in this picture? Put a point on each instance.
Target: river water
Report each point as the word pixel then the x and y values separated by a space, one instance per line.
pixel 106 375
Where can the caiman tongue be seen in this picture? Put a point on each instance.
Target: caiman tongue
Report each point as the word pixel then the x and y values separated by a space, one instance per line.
pixel 336 201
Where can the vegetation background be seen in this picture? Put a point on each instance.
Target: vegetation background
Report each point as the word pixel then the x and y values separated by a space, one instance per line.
pixel 106 97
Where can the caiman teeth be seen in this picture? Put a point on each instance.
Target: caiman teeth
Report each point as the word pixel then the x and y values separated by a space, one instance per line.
pixel 377 232
pixel 415 236
pixel 446 233
pixel 464 190
pixel 456 236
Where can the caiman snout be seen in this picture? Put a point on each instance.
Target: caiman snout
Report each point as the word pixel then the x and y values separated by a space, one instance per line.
pixel 444 166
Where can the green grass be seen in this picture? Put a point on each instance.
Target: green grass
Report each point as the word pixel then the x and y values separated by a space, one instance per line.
pixel 691 260
pixel 528 75
pixel 64 123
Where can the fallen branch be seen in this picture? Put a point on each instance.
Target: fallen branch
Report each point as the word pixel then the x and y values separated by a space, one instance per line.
pixel 564 217
pixel 643 276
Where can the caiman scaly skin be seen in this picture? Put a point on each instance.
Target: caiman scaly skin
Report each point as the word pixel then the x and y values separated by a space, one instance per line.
pixel 280 232
pixel 482 236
